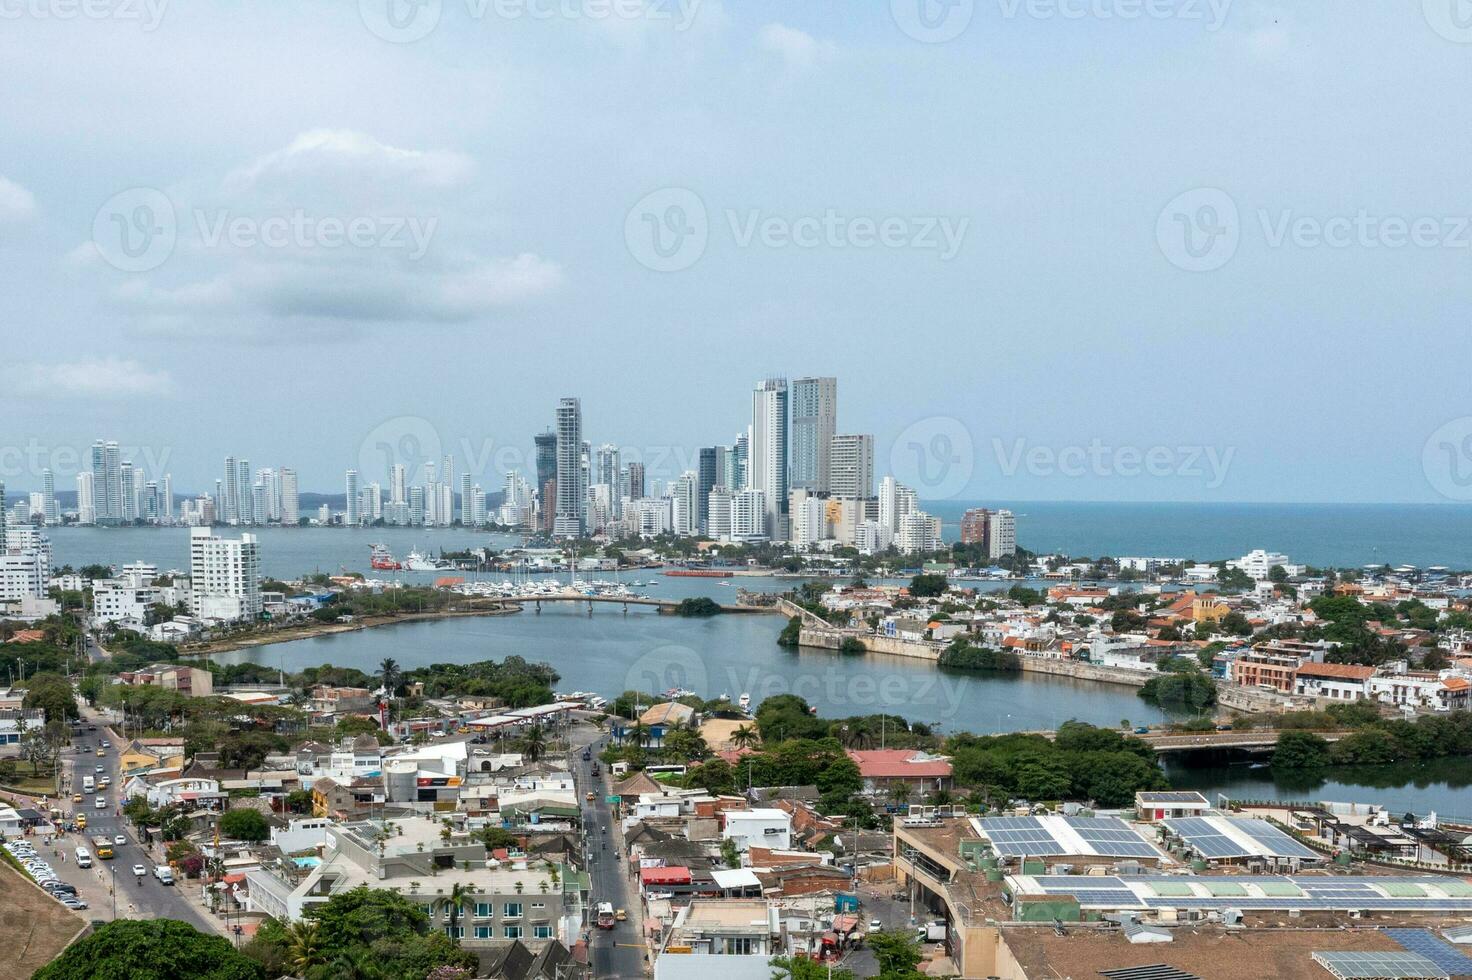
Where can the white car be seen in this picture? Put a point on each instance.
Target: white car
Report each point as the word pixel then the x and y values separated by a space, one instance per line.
pixel 119 840
pixel 139 870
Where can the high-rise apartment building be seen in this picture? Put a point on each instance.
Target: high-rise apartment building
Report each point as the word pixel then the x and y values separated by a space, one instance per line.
pixel 973 526
pixel 86 498
pixel 606 470
pixel 352 513
pixel 224 576
pixel 290 499
pixel 685 514
pixel 768 461
pixel 814 407
pixel 107 483
pixel 49 508
pixel 851 466
pixel 707 476
pixel 1001 534
pixel 636 481
pixel 572 487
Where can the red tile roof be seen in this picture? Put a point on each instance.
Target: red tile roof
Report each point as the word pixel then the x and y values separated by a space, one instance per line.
pixel 887 763
pixel 1352 672
pixel 665 876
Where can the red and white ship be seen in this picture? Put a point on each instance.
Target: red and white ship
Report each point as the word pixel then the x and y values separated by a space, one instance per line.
pixel 382 559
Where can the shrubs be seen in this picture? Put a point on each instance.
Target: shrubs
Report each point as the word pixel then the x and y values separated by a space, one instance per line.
pixel 1191 691
pixel 961 655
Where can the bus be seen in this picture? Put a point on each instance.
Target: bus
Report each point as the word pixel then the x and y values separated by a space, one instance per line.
pixel 102 847
pixel 605 915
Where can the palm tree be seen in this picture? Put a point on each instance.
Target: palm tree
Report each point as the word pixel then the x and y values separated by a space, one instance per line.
pixel 533 743
pixel 744 737
pixel 454 903
pixel 390 674
pixel 900 793
pixel 303 946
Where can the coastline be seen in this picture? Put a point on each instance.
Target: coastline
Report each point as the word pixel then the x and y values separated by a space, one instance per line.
pixel 314 630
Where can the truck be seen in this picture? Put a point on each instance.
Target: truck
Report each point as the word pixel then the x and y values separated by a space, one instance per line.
pixel 164 874
pixel 605 915
pixel 102 847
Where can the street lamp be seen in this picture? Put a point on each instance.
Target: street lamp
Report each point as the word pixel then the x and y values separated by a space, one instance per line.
pixel 114 869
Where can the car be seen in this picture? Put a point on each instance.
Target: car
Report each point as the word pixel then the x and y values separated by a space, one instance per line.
pixel 139 870
pixel 620 915
pixel 101 803
pixel 1142 730
pixel 75 904
pixel 875 925
pixel 119 840
pixel 76 797
pixel 590 797
pixel 100 752
pixel 106 744
pixel 164 874
pixel 100 769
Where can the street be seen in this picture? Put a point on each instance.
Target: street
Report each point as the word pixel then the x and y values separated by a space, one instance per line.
pixel 618 952
pixel 137 898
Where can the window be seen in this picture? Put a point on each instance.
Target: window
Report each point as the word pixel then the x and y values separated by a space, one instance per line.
pixel 484 910
pixel 513 932
pixel 455 932
pixel 538 905
pixel 511 910
pixel 484 932
pixel 428 910
pixel 541 932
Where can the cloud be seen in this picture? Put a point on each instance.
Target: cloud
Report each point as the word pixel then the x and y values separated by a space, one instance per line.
pixel 16 203
pixel 378 292
pixel 798 49
pixel 346 154
pixel 105 378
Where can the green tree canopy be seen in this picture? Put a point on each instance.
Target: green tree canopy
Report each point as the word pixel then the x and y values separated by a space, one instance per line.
pixel 244 823
pixel 150 949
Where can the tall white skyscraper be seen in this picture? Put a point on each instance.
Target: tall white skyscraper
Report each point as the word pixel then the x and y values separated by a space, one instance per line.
pixel 398 491
pixel 86 498
pixel 49 509
pixel 851 470
pixel 1001 534
pixel 229 511
pixel 290 501
pixel 814 419
pixel 128 497
pixel 107 482
pixel 245 508
pixel 224 576
pixel 572 487
pixel 166 499
pixel 685 514
pixel 895 501
pixel 353 515
pixel 467 512
pixel 768 461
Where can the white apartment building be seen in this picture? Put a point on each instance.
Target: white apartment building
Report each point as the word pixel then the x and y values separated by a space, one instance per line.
pixel 1259 563
pixel 749 516
pixel 917 532
pixel 224 576
pixel 23 575
pixel 767 463
pixel 764 827
pixel 719 514
pixel 115 601
pixel 1001 535
pixel 851 466
pixel 809 516
pixel 649 516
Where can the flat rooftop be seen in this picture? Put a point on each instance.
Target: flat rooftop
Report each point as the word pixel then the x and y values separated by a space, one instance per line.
pixel 1409 894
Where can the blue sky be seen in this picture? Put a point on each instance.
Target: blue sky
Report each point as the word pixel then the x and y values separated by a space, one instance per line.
pixel 1033 177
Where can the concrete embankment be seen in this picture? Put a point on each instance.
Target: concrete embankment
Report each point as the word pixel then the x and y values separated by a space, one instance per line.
pixel 931 651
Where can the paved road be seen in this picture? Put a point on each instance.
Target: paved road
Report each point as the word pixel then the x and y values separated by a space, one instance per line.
pixel 137 898
pixel 617 953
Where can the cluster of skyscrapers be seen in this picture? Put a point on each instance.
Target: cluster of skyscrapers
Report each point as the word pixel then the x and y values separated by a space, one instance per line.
pixel 114 491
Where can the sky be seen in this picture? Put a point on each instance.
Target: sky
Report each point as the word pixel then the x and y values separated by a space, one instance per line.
pixel 1211 250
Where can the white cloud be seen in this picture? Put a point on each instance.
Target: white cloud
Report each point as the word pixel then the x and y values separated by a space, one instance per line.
pixel 16 203
pixel 105 378
pixel 799 49
pixel 343 153
pixel 374 292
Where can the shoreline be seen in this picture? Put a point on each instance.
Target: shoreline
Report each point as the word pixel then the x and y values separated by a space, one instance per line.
pixel 311 631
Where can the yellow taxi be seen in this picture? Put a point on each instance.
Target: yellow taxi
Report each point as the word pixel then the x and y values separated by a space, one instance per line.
pixel 100 753
pixel 76 797
pixel 81 821
pixel 621 915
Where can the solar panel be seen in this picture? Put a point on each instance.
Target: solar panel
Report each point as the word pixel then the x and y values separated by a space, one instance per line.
pixel 1379 966
pixel 1434 948
pixel 1110 837
pixel 1275 841
pixel 1155 971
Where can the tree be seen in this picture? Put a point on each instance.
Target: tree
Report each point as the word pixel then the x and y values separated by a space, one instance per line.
pixel 53 694
pixel 391 676
pixel 384 930
pixel 802 968
pixel 744 737
pixel 1300 750
pixel 928 586
pixel 851 645
pixel 534 743
pixel 150 949
pixel 303 946
pixel 897 952
pixel 454 903
pixel 244 823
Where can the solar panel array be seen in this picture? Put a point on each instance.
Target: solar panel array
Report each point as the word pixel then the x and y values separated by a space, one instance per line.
pixel 1379 966
pixel 1155 971
pixel 1208 838
pixel 1434 948
pixel 1318 894
pixel 1111 836
pixel 1031 837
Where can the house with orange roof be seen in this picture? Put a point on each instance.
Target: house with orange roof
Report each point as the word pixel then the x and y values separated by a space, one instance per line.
pixel 884 769
pixel 1337 682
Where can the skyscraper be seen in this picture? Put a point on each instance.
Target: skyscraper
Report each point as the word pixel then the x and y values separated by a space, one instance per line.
pixel 707 477
pixel 232 492
pixel 636 481
pixel 353 514
pixel 107 482
pixel 290 502
pixel 245 505
pixel 572 488
pixel 768 461
pixel 48 498
pixel 224 576
pixel 686 512
pixel 740 460
pixel 129 497
pixel 546 443
pixel 851 470
pixel 814 418
pixel 86 498
pixel 606 469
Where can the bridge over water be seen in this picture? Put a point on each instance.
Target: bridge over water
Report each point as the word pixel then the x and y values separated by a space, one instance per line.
pixel 663 605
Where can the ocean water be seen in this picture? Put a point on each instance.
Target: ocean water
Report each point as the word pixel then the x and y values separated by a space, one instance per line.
pixel 1339 535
